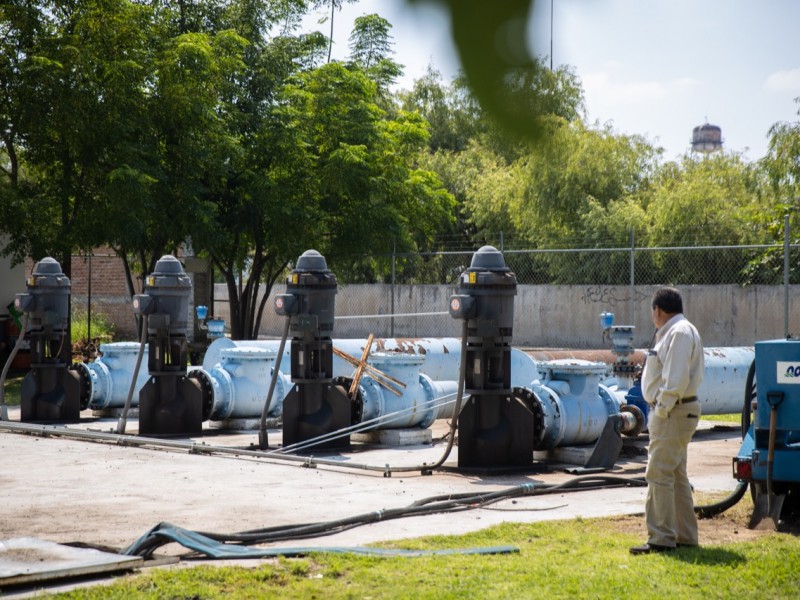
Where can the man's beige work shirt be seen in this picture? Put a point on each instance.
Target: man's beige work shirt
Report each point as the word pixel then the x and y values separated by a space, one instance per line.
pixel 674 367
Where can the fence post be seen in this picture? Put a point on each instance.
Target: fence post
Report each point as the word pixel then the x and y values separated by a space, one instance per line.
pixel 786 276
pixel 89 303
pixel 394 256
pixel 633 280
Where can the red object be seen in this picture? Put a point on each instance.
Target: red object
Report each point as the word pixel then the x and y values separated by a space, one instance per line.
pixel 742 469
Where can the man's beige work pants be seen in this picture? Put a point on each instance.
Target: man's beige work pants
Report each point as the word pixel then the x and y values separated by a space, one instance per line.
pixel 669 509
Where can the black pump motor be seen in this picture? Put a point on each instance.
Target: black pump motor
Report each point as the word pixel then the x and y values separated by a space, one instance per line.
pixel 315 406
pixel 169 402
pixel 54 389
pixel 497 423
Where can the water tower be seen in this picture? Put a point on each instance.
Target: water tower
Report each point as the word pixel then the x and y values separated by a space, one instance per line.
pixel 706 138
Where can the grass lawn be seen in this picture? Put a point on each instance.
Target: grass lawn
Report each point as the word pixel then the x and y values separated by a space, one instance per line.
pixel 580 558
pixel 735 418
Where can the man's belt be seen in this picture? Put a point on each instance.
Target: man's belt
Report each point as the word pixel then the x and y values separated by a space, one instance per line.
pixel 687 400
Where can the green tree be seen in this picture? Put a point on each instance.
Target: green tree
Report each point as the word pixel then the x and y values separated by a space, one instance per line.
pixel 368 185
pixel 491 42
pixel 782 162
pixel 478 161
pixel 779 173
pixel 546 188
pixel 450 110
pixel 334 4
pixel 702 201
pixel 371 50
pixel 157 203
pixel 80 71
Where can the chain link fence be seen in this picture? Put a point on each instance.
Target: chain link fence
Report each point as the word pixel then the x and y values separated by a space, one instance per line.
pixel 735 294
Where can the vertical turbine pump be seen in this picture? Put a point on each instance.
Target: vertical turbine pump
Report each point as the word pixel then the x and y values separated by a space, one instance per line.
pixel 315 406
pixel 52 390
pixel 170 402
pixel 496 427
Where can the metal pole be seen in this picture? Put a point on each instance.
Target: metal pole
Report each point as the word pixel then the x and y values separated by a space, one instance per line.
pixel 786 275
pixel 633 280
pixel 394 258
pixel 551 35
pixel 502 242
pixel 89 304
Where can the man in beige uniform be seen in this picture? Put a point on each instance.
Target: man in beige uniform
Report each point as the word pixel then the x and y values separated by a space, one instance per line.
pixel 672 374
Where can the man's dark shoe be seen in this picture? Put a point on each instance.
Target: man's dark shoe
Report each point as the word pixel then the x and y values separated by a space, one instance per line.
pixel 648 548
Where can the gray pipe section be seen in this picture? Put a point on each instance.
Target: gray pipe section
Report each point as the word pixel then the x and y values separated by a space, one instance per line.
pixel 110 375
pixel 239 383
pixel 722 390
pixel 575 405
pixel 576 395
pixel 418 401
pixel 240 380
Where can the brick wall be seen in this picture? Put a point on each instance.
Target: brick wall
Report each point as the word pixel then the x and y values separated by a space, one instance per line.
pixel 103 276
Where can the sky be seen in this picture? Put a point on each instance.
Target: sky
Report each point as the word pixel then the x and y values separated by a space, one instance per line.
pixel 656 68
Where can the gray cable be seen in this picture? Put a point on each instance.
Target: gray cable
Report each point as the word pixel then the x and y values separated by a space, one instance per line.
pixel 17 346
pixel 365 425
pixel 123 419
pixel 263 442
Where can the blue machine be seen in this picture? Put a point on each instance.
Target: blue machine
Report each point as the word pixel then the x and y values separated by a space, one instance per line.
pixel 769 458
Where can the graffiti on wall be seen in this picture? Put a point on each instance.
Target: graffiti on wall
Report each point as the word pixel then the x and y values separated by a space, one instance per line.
pixel 610 295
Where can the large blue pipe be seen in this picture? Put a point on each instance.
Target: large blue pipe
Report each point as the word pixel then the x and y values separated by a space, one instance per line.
pixel 110 375
pixel 420 403
pixel 442 356
pixel 239 384
pixel 577 395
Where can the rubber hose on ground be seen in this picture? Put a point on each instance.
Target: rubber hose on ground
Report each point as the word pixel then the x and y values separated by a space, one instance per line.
pixel 711 510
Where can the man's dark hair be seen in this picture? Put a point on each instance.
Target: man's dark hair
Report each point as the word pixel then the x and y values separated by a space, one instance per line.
pixel 669 300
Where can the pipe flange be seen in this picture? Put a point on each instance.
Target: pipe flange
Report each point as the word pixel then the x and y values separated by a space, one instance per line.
pixel 206 388
pixel 356 404
pixel 532 402
pixel 85 379
pixel 638 419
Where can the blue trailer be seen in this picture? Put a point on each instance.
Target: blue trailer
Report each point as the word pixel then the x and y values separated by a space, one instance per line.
pixel 769 458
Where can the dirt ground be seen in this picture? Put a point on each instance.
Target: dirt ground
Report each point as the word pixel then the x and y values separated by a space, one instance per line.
pixel 67 490
pixel 108 494
pixel 728 528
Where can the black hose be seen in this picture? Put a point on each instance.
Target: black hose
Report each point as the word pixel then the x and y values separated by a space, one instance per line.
pixel 711 510
pixel 446 503
pixel 749 393
pixel 462 371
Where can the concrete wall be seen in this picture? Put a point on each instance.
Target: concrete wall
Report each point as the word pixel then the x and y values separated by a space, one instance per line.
pixel 555 316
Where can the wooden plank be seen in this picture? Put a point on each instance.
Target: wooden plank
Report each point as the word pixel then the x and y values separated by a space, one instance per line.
pixel 387 381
